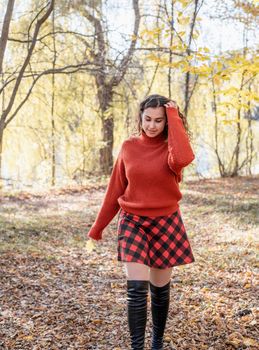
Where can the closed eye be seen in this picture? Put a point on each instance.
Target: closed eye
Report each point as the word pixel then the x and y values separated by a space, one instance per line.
pixel 160 120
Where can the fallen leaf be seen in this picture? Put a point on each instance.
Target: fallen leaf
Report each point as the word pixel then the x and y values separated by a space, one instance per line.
pixel 89 247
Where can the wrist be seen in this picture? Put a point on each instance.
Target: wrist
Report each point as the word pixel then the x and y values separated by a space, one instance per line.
pixel 95 234
pixel 172 112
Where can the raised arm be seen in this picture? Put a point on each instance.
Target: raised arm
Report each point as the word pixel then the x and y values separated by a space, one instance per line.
pixel 110 206
pixel 180 153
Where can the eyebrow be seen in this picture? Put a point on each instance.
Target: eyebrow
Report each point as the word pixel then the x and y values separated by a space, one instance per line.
pixel 155 117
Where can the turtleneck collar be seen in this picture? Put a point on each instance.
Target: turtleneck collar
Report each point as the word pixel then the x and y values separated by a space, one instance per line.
pixel 152 140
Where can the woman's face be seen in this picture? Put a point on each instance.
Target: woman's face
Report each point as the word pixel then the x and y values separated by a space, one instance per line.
pixel 153 120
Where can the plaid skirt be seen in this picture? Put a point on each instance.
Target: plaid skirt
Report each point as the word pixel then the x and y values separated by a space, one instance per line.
pixel 155 241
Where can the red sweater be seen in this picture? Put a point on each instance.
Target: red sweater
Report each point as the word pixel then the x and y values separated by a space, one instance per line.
pixel 146 175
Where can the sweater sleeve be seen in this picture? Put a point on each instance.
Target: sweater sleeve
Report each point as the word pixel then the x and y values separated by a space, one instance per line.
pixel 110 206
pixel 180 153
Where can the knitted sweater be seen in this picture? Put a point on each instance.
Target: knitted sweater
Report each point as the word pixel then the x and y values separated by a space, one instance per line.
pixel 146 175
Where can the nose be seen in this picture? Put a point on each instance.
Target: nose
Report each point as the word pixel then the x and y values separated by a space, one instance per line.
pixel 153 125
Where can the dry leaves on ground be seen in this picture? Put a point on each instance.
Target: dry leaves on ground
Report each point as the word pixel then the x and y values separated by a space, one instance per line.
pixel 58 291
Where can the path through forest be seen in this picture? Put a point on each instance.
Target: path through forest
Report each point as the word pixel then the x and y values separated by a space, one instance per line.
pixel 55 294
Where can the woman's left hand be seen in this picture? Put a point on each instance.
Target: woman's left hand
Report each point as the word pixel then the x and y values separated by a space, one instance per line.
pixel 172 104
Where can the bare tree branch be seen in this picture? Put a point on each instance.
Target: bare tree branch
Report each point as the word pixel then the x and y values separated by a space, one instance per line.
pixel 50 34
pixel 65 69
pixel 27 59
pixel 72 69
pixel 126 59
pixel 5 31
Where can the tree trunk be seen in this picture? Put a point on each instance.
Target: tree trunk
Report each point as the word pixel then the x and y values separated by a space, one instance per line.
pixel 236 152
pixel 106 78
pixel 5 31
pixel 105 96
pixel 3 43
pixel 249 147
pixel 187 90
pixel 106 159
pixel 237 148
pixel 1 153
pixel 186 93
pixel 220 164
pixel 53 126
pixel 53 143
pixel 170 52
pixel 249 140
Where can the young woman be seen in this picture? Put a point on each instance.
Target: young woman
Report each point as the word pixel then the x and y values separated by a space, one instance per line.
pixel 144 186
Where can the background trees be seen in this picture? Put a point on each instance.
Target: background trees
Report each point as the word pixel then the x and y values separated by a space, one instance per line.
pixel 72 73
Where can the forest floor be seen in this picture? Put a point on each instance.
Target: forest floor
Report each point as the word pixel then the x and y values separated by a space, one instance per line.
pixel 55 293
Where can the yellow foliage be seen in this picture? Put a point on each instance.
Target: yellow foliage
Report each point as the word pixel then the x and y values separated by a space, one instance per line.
pixel 176 47
pixel 184 3
pixel 219 65
pixel 227 104
pixel 181 34
pixel 244 105
pixel 224 77
pixel 251 96
pixel 221 113
pixel 183 20
pixel 202 57
pixel 217 80
pixel 179 46
pixel 203 70
pixel 253 68
pixel 195 34
pixel 153 57
pixel 230 121
pixel 175 64
pixel 151 32
pixel 189 57
pixel 229 91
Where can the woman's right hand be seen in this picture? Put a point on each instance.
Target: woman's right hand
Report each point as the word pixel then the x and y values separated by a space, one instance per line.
pixel 171 104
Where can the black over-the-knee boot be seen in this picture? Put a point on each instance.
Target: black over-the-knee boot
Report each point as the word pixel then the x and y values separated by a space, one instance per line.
pixel 137 291
pixel 160 299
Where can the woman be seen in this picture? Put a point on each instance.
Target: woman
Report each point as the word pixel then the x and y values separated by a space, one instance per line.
pixel 144 186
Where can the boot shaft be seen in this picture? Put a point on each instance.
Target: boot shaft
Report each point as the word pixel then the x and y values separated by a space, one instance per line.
pixel 160 300
pixel 137 291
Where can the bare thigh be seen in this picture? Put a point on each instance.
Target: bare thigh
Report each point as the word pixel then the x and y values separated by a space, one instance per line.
pixel 136 271
pixel 160 277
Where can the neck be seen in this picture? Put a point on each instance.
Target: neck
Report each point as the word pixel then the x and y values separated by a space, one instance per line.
pixel 152 140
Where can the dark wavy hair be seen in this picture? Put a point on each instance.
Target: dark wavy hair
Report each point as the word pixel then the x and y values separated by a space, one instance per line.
pixel 156 100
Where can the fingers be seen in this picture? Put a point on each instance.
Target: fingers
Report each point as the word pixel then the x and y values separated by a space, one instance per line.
pixel 171 104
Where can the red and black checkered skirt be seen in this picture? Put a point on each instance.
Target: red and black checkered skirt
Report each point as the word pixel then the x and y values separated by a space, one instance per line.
pixel 155 241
